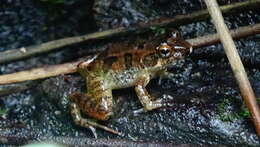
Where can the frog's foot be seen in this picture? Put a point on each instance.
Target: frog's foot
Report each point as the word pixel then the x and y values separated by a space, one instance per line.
pixel 155 104
pixel 79 120
pixel 145 98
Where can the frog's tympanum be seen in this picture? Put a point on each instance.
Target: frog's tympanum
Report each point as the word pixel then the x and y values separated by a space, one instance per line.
pixel 122 69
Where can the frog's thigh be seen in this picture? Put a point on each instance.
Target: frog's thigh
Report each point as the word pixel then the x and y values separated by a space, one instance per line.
pixel 144 96
pixel 83 122
pixel 98 105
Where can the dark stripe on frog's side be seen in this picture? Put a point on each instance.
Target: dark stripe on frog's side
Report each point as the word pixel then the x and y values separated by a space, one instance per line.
pixel 108 62
pixel 128 60
pixel 150 60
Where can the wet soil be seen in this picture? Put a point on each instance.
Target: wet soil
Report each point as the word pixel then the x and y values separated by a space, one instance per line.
pixel 206 107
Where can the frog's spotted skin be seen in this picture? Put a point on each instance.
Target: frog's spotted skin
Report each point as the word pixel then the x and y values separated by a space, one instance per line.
pixel 121 69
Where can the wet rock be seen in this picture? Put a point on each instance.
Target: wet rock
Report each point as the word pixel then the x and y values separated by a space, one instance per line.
pixel 114 13
pixel 25 23
pixel 198 113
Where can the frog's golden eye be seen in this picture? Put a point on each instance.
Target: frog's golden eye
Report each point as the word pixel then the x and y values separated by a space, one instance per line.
pixel 164 50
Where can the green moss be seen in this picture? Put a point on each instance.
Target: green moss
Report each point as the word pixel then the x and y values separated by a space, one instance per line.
pixel 258 100
pixel 3 111
pixel 158 30
pixel 230 109
pixel 244 111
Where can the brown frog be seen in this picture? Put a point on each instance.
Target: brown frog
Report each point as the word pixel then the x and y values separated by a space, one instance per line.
pixel 122 69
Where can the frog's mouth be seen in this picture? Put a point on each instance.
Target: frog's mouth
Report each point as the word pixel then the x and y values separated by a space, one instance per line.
pixel 181 52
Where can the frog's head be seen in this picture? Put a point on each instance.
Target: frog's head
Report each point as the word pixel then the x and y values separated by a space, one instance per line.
pixel 175 48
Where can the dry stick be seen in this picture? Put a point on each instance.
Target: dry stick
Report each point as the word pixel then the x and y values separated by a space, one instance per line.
pixel 10 89
pixel 24 52
pixel 211 39
pixel 83 141
pixel 30 136
pixel 40 73
pixel 235 62
pixel 54 70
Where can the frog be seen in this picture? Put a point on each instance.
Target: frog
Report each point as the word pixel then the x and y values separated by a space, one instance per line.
pixel 119 69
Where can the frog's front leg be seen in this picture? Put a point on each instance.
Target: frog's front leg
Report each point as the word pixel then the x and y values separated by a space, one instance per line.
pixel 143 95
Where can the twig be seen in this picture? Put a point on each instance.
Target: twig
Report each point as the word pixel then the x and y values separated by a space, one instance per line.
pixel 235 62
pixel 80 141
pixel 30 136
pixel 13 140
pixel 24 52
pixel 7 136
pixel 9 89
pixel 40 73
pixel 54 70
pixel 240 32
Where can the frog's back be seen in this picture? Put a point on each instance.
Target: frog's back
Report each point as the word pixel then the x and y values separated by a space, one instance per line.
pixel 114 61
pixel 122 69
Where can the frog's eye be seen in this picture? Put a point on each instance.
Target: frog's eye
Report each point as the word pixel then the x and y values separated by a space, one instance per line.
pixel 165 53
pixel 164 50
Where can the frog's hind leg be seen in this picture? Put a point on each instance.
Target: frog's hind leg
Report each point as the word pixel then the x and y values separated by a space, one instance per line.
pixel 75 113
pixel 84 122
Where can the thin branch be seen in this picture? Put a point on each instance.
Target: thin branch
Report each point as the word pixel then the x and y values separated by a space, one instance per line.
pixel 9 89
pixel 40 73
pixel 30 136
pixel 80 141
pixel 24 52
pixel 240 32
pixel 7 136
pixel 235 62
pixel 54 70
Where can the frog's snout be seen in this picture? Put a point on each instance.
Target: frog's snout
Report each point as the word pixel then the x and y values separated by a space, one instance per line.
pixel 179 45
pixel 191 49
pixel 187 46
pixel 188 50
pixel 183 48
